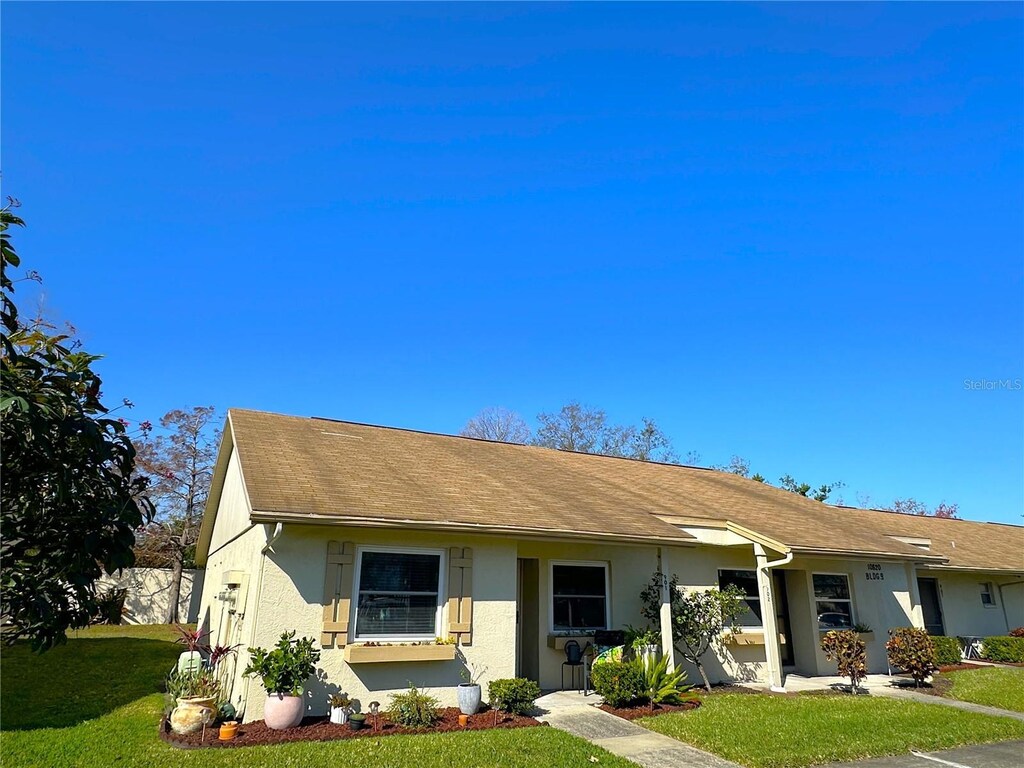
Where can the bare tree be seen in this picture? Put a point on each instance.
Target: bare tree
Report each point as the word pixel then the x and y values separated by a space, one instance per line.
pixel 574 428
pixel 179 464
pixel 737 466
pixel 650 443
pixel 914 507
pixel 499 424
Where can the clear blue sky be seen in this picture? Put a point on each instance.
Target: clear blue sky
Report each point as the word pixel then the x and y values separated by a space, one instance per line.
pixel 788 232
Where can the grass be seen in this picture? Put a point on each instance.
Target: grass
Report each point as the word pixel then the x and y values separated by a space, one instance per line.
pixel 1001 687
pixel 93 703
pixel 763 731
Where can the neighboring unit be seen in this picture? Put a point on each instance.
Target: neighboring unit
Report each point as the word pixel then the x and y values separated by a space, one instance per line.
pixel 411 556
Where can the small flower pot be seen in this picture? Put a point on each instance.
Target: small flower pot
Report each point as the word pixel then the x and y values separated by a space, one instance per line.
pixel 228 730
pixel 469 698
pixel 339 715
pixel 463 720
pixel 356 721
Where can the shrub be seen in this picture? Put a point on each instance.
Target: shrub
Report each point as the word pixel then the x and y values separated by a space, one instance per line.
pixel 849 652
pixel 1018 632
pixel 413 709
pixel 620 683
pixel 947 651
pixel 660 685
pixel 287 667
pixel 515 695
pixel 1008 649
pixel 911 650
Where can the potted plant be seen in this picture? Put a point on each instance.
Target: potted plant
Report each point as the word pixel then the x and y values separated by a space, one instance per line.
pixel 356 720
pixel 194 641
pixel 469 692
pixel 644 643
pixel 195 694
pixel 284 671
pixel 340 705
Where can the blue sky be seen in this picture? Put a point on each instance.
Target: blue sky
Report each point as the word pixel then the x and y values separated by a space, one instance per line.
pixel 788 232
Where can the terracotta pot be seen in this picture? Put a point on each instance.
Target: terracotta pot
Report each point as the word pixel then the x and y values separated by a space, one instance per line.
pixel 188 716
pixel 228 730
pixel 463 720
pixel 281 711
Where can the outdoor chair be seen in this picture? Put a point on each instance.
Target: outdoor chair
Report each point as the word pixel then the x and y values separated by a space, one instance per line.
pixel 574 661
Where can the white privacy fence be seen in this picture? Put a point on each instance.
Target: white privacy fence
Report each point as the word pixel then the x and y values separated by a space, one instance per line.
pixel 148 594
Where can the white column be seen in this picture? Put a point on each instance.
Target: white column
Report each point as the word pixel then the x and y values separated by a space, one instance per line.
pixel 771 631
pixel 916 611
pixel 668 649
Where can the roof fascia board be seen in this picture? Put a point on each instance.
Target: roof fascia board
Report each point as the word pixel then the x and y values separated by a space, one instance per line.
pixel 220 470
pixel 860 554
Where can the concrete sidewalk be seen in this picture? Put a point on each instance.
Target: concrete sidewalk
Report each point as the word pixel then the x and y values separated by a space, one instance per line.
pixel 577 714
pixel 1003 754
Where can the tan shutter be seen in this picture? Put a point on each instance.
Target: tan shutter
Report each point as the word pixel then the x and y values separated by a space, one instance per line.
pixel 460 595
pixel 337 593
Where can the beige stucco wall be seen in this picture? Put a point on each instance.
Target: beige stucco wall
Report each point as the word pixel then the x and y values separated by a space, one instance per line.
pixel 963 612
pixel 148 597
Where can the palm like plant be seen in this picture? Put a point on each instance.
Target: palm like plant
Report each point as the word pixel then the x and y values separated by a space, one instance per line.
pixel 662 686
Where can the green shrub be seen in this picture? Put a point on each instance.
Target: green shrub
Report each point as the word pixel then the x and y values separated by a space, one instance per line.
pixel 947 651
pixel 413 709
pixel 515 695
pixel 660 685
pixel 849 652
pixel 193 684
pixel 911 649
pixel 620 683
pixel 1008 649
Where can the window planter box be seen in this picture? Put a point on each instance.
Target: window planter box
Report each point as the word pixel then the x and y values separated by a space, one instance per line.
pixel 754 637
pixel 378 654
pixel 558 641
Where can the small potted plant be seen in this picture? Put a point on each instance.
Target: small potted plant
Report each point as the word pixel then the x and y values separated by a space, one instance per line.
pixel 284 671
pixel 195 695
pixel 356 721
pixel 340 704
pixel 194 641
pixel 644 643
pixel 469 692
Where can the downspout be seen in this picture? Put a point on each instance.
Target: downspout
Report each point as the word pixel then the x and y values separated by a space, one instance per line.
pixel 1002 601
pixel 268 547
pixel 768 617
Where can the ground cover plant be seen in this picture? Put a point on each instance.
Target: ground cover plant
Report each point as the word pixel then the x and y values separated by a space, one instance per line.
pixel 97 702
pixel 793 731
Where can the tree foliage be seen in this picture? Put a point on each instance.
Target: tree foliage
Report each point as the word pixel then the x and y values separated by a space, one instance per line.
pixel 583 429
pixel 179 464
pixel 71 497
pixel 498 424
pixel 698 616
pixel 911 649
pixel 910 506
pixel 821 493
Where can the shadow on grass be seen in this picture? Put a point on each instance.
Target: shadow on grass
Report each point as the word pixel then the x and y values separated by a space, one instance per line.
pixel 80 681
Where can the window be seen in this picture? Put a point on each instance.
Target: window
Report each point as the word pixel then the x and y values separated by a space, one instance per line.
pixel 746 581
pixel 832 601
pixel 988 599
pixel 398 594
pixel 579 596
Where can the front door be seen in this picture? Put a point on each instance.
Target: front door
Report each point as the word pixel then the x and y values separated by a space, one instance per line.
pixel 782 617
pixel 931 606
pixel 528 619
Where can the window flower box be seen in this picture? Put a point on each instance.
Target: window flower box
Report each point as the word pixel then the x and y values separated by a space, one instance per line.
pixel 751 637
pixel 378 654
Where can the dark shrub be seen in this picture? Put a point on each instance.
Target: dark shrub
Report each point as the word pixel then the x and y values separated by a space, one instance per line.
pixel 413 708
pixel 849 653
pixel 515 695
pixel 911 650
pixel 947 651
pixel 1008 649
pixel 620 683
pixel 1018 632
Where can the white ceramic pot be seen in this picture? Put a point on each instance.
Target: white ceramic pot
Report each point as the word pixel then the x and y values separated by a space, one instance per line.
pixel 281 711
pixel 469 698
pixel 339 715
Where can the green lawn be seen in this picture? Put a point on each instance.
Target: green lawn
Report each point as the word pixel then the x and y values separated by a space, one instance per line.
pixel 764 731
pixel 1001 687
pixel 93 703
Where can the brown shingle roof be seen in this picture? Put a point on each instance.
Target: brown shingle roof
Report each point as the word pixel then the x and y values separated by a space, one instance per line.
pixel 298 466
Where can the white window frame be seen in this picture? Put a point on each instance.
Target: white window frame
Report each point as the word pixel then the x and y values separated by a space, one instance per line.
pixel 849 591
pixel 988 588
pixel 607 593
pixel 441 594
pixel 756 596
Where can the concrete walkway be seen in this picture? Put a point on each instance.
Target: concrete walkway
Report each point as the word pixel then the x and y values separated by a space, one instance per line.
pixel 577 714
pixel 882 685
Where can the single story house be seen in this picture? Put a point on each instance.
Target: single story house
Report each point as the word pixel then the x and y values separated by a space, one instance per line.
pixel 411 556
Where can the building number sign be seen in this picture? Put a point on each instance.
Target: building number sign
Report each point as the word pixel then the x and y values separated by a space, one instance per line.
pixel 874 572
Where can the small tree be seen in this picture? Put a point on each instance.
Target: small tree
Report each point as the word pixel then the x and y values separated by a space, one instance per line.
pixel 849 652
pixel 911 650
pixel 499 424
pixel 698 616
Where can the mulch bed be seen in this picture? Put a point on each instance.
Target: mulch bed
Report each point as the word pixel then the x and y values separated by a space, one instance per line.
pixel 321 729
pixel 644 710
